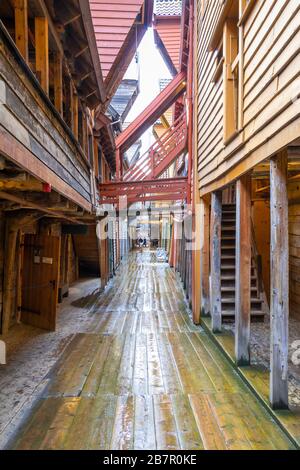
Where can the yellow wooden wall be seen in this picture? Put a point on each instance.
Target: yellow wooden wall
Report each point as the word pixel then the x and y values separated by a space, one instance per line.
pixel 271 112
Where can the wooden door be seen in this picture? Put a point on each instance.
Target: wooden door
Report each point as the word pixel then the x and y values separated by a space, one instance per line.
pixel 40 280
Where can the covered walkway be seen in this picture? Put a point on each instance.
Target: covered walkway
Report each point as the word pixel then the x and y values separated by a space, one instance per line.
pixel 142 376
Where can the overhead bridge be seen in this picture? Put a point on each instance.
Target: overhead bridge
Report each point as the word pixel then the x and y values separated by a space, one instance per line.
pixel 167 189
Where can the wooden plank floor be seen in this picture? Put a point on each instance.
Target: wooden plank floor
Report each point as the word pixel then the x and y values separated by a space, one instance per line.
pixel 144 377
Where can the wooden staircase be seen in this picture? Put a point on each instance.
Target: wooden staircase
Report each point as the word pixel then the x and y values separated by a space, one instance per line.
pixel 161 154
pixel 258 302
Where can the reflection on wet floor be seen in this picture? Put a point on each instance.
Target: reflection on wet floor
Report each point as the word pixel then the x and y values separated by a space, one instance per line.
pixel 142 376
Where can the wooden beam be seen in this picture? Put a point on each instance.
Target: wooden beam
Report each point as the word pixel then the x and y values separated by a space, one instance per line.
pixel 21 27
pixel 118 164
pixel 215 294
pixel 58 83
pixel 279 302
pixel 42 52
pixel 243 271
pixel 31 205
pixel 204 256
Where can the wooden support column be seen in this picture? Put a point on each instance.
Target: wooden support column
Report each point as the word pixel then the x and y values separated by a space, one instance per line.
pixel 243 271
pixel 9 275
pixel 204 257
pixel 58 82
pixel 21 27
pixel 42 52
pixel 215 295
pixel 279 302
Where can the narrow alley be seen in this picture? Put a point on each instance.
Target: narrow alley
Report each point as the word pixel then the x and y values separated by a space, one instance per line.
pixel 140 375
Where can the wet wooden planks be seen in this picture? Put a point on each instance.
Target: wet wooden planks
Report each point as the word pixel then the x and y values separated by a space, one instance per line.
pixel 142 376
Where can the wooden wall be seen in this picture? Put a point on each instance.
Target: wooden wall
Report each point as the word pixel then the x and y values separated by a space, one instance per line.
pixel 32 136
pixel 87 249
pixel 270 39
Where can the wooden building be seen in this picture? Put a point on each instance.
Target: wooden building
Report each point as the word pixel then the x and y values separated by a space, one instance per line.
pixel 247 137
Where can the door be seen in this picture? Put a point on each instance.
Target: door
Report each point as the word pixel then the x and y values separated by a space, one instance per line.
pixel 40 280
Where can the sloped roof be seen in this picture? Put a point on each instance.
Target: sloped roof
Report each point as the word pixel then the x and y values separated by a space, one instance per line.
pixel 168 7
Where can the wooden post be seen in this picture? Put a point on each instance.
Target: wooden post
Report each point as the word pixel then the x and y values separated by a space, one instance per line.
pixel 42 52
pixel 215 296
pixel 230 45
pixel 204 256
pixel 21 27
pixel 243 271
pixel 9 275
pixel 279 302
pixel 58 84
pixel 75 120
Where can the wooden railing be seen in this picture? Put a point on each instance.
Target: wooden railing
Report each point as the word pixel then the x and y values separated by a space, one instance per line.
pixel 161 154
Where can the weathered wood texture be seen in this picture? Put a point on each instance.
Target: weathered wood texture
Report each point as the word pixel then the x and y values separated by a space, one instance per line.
pixel 9 277
pixel 41 30
pixel 140 375
pixel 279 303
pixel 2 255
pixel 215 266
pixel 243 270
pixel 28 123
pixel 21 27
pixel 204 256
pixel 271 113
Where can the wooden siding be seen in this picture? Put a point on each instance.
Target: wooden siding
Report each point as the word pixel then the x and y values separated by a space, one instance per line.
pixel 112 22
pixel 271 112
pixel 34 137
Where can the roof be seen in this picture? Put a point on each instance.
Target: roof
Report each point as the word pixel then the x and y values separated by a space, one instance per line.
pixel 124 97
pixel 163 82
pixel 168 7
